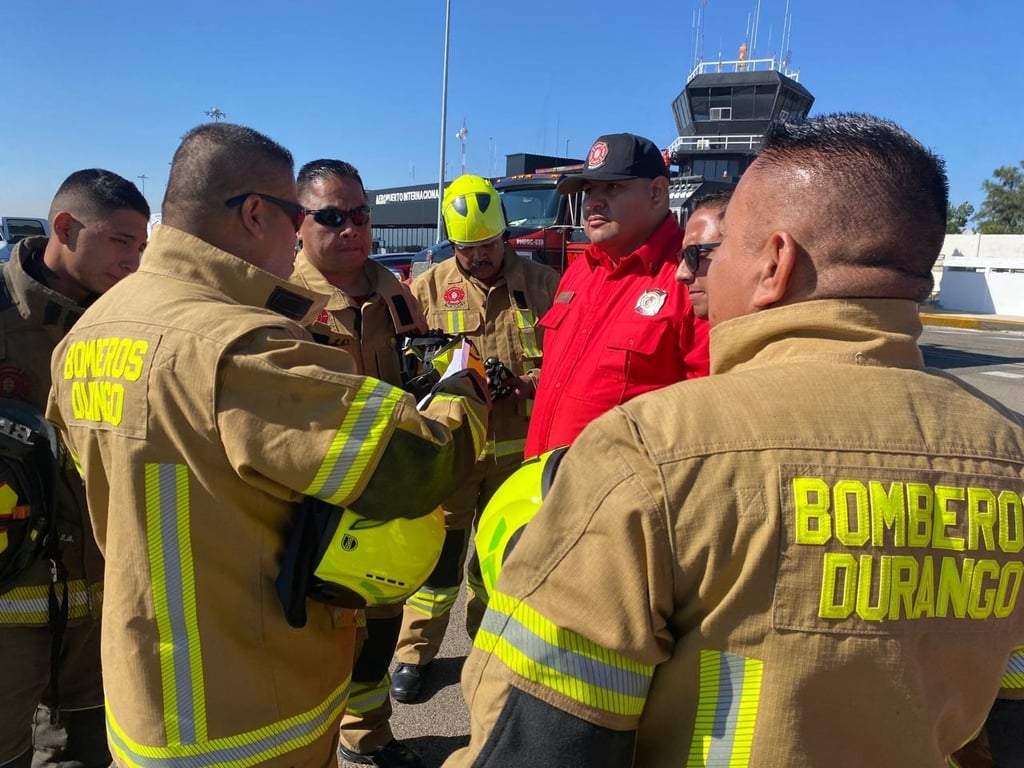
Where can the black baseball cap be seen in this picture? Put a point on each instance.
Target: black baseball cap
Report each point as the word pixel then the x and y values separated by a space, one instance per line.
pixel 615 157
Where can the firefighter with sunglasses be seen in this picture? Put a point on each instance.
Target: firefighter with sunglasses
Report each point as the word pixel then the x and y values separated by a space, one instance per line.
pixel 367 314
pixel 494 297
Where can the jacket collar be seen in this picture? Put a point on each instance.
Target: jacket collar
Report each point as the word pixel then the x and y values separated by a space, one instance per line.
pixel 182 256
pixel 882 332
pixel 33 299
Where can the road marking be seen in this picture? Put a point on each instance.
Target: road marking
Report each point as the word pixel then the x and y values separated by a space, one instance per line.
pixel 1003 374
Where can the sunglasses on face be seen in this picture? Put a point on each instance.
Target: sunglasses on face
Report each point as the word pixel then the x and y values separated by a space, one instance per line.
pixel 294 211
pixel 335 217
pixel 692 254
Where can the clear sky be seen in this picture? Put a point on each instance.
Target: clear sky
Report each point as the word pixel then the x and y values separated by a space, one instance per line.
pixel 115 83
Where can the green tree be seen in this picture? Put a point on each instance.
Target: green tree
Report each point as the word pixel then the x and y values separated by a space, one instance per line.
pixel 1002 211
pixel 957 218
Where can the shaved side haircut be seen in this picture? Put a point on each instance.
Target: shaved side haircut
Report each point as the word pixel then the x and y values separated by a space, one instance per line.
pixel 93 193
pixel 319 170
pixel 215 162
pixel 878 195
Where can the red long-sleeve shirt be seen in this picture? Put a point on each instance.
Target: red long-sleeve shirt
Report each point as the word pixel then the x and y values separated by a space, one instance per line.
pixel 614 332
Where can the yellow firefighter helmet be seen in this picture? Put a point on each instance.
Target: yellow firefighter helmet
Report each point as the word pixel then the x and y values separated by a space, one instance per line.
pixel 376 562
pixel 472 211
pixel 511 507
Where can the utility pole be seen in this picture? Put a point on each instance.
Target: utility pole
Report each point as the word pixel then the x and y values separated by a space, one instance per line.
pixel 444 113
pixel 143 177
pixel 461 135
pixel 215 114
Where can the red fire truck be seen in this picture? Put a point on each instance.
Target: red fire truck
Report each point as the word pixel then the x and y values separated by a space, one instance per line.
pixel 543 225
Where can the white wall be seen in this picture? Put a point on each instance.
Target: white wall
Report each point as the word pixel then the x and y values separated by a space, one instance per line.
pixel 983 274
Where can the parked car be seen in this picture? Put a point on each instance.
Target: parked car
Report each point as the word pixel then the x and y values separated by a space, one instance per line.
pixel 400 264
pixel 428 257
pixel 15 228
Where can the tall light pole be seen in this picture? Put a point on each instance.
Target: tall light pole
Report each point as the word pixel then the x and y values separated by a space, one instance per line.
pixel 143 177
pixel 215 114
pixel 444 113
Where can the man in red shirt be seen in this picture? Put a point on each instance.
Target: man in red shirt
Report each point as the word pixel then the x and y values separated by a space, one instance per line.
pixel 621 325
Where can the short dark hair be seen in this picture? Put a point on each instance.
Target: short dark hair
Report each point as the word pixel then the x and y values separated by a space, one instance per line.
pixel 94 193
pixel 718 200
pixel 887 194
pixel 217 161
pixel 317 170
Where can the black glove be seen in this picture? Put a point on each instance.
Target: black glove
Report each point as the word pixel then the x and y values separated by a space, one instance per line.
pixel 501 381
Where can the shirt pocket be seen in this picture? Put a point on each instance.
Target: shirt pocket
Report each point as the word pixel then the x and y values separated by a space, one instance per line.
pixel 631 350
pixel 554 316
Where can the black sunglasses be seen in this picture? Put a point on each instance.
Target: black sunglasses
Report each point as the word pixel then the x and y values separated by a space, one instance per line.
pixel 295 211
pixel 335 217
pixel 692 254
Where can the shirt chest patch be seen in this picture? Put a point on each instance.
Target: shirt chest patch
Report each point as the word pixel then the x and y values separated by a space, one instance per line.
pixel 650 302
pixel 454 297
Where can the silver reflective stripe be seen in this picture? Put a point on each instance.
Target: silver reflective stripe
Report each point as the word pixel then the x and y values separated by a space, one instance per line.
pixel 565 661
pixel 359 430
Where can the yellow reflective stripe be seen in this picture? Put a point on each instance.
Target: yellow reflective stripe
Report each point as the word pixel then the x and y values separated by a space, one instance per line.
pixel 502 448
pixel 364 698
pixel 455 321
pixel 243 749
pixel 525 320
pixel 730 694
pixel 1014 676
pixel 477 428
pixel 562 660
pixel 172 577
pixel 31 605
pixel 433 602
pixel 365 424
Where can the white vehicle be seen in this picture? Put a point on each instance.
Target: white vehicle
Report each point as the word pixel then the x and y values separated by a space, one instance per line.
pixel 15 228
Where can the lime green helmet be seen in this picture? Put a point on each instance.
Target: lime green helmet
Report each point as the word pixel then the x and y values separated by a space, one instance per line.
pixel 376 562
pixel 511 507
pixel 472 211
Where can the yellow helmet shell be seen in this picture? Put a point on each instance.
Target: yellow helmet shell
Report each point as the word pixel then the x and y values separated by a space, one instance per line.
pixel 511 507
pixel 379 562
pixel 472 211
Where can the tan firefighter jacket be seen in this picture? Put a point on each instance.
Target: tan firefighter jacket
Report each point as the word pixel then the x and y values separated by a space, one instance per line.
pixel 501 321
pixel 810 558
pixel 201 412
pixel 33 319
pixel 371 332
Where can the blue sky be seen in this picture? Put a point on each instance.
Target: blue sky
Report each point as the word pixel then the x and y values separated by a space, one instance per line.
pixel 114 84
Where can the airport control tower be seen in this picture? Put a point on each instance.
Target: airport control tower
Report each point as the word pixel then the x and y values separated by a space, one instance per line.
pixel 721 116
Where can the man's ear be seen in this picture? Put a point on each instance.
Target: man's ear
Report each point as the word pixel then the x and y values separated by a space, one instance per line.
pixel 659 191
pixel 64 229
pixel 781 256
pixel 253 213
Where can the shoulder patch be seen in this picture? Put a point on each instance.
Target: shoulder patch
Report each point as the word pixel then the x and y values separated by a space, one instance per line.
pixel 14 382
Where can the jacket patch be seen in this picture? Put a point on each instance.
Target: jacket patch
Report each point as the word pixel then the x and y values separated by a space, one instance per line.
pixel 14 382
pixel 454 297
pixel 650 302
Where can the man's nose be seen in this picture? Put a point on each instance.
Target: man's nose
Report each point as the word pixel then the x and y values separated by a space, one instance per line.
pixel 683 273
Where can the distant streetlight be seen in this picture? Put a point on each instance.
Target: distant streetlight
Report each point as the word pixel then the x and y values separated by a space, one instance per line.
pixel 215 114
pixel 444 113
pixel 143 177
pixel 461 135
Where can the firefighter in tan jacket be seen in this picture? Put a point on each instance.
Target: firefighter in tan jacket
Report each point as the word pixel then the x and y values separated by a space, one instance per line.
pixel 368 314
pixel 490 294
pixel 810 558
pixel 201 412
pixel 98 229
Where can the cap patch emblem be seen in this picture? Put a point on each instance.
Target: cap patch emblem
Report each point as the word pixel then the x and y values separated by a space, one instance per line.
pixel 650 302
pixel 323 318
pixel 598 154
pixel 454 296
